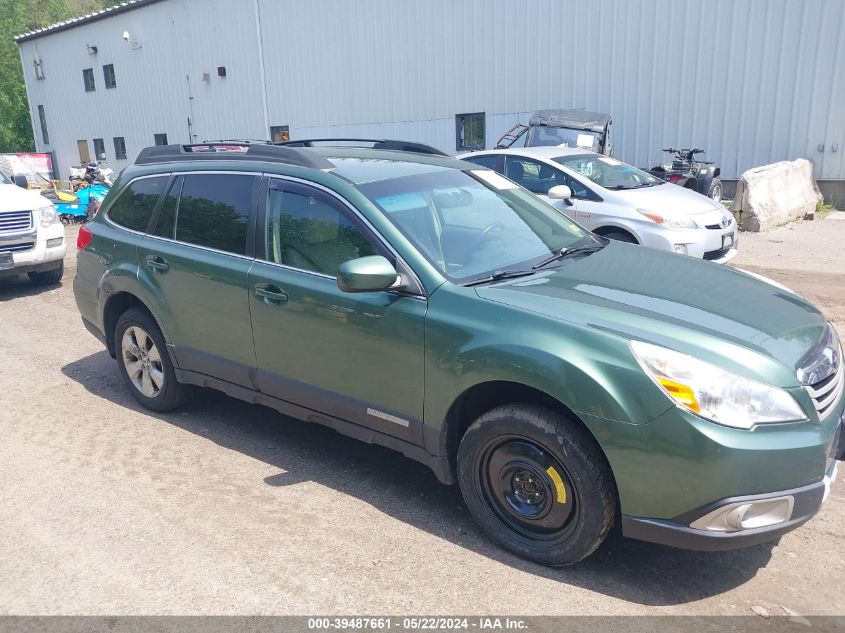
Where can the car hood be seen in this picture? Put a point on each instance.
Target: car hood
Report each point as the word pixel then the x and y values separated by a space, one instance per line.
pixel 711 311
pixel 668 199
pixel 14 198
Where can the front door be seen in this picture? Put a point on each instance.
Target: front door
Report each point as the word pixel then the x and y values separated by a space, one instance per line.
pixel 194 264
pixel 358 357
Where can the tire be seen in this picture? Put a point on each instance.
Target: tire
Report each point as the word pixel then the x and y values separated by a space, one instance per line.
pixel 144 363
pixel 52 276
pixel 714 191
pixel 620 236
pixel 537 484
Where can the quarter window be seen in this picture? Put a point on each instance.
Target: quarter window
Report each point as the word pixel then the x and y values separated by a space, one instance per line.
pixel 469 131
pixel 88 79
pixel 135 206
pixel 214 211
pixel 109 79
pixel 310 230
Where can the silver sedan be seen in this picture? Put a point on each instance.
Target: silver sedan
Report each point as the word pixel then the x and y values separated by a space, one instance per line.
pixel 619 201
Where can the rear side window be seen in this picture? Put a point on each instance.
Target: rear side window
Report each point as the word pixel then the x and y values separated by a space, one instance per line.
pixel 495 162
pixel 135 206
pixel 213 211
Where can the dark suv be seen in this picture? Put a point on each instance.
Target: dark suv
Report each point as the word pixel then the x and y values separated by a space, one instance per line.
pixel 437 308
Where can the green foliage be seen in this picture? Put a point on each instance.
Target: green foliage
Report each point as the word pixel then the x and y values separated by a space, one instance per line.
pixel 822 208
pixel 16 17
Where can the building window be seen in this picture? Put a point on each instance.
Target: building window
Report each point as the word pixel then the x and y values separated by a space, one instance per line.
pixel 99 149
pixel 469 131
pixel 42 118
pixel 160 139
pixel 88 78
pixel 119 148
pixel 280 133
pixel 108 76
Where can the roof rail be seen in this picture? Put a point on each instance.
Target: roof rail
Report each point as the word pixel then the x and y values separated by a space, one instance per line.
pixel 232 150
pixel 375 143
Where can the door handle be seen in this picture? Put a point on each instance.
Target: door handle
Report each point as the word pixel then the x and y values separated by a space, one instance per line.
pixel 157 263
pixel 270 294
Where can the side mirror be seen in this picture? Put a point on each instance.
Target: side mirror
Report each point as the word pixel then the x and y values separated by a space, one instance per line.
pixel 366 274
pixel 560 192
pixel 21 181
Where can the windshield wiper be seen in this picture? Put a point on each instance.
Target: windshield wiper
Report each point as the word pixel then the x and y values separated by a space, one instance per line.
pixel 498 276
pixel 587 245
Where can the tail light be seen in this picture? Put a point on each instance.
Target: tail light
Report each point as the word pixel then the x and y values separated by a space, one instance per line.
pixel 675 178
pixel 84 237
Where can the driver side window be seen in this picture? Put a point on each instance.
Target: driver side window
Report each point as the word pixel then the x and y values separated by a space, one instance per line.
pixel 308 229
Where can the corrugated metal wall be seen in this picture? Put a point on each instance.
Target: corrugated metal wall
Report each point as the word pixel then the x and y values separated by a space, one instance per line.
pixel 752 82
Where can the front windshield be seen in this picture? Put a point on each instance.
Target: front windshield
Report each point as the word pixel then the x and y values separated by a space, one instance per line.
pixel 608 172
pixel 544 135
pixel 472 224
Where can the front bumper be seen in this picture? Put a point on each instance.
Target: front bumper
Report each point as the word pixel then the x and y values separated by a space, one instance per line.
pixel 716 245
pixel 37 257
pixel 678 532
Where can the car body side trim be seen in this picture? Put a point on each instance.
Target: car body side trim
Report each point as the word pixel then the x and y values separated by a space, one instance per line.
pixel 438 463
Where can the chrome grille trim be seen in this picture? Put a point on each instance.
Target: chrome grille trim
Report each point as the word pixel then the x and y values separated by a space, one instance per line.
pixel 826 393
pixel 17 248
pixel 15 221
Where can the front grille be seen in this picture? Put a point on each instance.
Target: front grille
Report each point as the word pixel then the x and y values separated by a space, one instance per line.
pixel 821 372
pixel 15 221
pixel 17 248
pixel 717 254
pixel 825 393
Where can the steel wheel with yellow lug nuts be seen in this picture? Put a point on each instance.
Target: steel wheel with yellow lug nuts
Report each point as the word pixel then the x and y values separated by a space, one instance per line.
pixel 537 483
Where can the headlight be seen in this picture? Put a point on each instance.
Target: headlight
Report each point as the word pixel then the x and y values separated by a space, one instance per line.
pixel 47 215
pixel 670 222
pixel 715 394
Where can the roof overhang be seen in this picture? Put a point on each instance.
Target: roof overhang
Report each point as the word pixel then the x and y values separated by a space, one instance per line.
pixel 129 5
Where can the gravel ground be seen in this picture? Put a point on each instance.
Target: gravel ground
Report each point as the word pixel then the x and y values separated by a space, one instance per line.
pixel 226 508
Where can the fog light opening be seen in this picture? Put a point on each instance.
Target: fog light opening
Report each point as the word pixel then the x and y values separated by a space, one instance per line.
pixel 681 249
pixel 747 515
pixel 56 241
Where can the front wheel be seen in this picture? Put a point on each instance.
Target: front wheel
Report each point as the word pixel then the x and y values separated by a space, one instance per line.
pixel 144 363
pixel 537 484
pixel 715 190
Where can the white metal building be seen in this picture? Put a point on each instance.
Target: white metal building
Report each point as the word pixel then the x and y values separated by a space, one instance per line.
pixel 752 81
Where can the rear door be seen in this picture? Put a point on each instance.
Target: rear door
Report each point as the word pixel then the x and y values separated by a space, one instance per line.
pixel 354 356
pixel 194 266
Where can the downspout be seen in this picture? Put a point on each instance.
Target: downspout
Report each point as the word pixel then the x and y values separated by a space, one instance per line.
pixel 261 74
pixel 29 103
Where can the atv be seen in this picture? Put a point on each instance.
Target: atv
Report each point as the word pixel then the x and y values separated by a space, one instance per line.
pixel 686 171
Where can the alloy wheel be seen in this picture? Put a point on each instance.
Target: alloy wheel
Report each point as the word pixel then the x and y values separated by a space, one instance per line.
pixel 142 361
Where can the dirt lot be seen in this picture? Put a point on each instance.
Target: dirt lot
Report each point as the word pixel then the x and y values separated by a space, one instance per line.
pixel 225 507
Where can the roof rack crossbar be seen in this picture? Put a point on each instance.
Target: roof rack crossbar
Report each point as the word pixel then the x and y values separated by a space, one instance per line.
pixel 232 150
pixel 377 143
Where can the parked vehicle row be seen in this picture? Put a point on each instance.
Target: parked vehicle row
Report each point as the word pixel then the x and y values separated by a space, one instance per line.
pixel 619 201
pixel 566 381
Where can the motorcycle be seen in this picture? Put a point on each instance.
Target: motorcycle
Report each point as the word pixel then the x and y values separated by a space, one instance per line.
pixel 91 173
pixel 687 171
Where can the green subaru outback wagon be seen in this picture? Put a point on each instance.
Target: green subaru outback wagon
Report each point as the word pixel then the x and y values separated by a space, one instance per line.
pixel 565 382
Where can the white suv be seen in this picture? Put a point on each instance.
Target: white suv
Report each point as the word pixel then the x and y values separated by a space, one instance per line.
pixel 32 239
